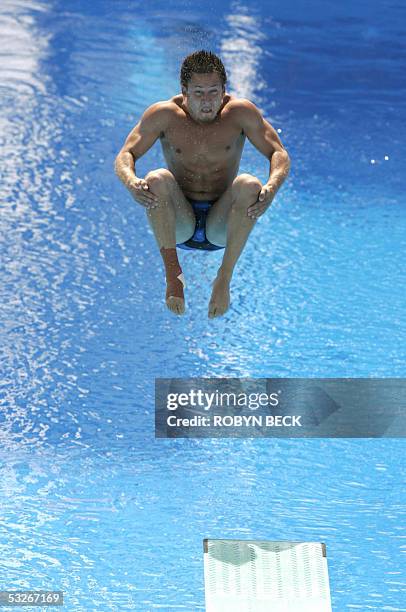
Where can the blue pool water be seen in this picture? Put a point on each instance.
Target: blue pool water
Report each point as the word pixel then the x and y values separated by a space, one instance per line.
pixel 90 502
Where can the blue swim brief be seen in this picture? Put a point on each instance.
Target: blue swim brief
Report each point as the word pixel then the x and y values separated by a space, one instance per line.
pixel 199 240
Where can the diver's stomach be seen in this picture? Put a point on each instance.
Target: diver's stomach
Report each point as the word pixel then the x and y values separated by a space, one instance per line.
pixel 201 195
pixel 207 182
pixel 203 190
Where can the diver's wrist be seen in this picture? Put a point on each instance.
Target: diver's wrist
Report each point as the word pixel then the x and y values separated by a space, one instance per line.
pixel 272 185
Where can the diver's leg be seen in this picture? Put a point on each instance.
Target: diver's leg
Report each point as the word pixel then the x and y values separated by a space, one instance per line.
pixel 228 224
pixel 172 221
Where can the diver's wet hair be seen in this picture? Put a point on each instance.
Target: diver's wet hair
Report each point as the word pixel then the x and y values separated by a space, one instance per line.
pixel 201 62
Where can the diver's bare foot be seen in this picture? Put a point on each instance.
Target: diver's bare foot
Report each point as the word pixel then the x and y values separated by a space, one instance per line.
pixel 175 300
pixel 175 305
pixel 220 297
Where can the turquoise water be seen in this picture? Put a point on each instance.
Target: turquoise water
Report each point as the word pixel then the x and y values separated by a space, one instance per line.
pixel 90 502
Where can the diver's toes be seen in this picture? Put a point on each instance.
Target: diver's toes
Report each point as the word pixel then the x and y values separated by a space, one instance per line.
pixel 180 310
pixel 218 311
pixel 176 305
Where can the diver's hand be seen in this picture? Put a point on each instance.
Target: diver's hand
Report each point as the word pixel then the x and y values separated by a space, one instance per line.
pixel 141 193
pixel 265 197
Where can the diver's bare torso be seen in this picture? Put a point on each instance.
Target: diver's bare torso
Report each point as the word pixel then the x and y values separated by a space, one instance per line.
pixel 202 133
pixel 204 158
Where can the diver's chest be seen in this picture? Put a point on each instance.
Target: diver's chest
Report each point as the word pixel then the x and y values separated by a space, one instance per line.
pixel 197 145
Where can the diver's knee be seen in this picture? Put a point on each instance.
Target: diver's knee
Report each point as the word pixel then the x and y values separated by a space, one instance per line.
pixel 246 189
pixel 160 181
pixel 247 184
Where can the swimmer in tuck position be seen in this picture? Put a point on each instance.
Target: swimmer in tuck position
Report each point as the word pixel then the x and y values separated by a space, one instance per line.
pixel 200 201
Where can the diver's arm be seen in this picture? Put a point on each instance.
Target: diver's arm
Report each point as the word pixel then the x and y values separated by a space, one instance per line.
pixel 279 166
pixel 266 140
pixel 124 167
pixel 138 142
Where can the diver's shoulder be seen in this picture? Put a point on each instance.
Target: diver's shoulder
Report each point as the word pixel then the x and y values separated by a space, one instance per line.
pixel 244 113
pixel 176 105
pixel 161 108
pixel 241 105
pixel 167 109
pixel 159 113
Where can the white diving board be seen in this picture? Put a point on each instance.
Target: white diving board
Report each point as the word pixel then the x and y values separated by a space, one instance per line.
pixel 262 576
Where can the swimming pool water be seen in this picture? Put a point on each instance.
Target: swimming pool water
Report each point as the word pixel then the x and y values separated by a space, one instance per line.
pixel 90 502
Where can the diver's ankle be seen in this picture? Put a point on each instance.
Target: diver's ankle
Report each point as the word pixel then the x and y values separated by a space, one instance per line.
pixel 224 274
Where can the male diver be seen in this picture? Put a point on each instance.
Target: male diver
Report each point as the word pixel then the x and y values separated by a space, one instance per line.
pixel 200 201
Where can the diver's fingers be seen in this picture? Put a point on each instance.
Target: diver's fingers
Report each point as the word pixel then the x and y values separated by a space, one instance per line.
pixel 141 193
pixel 145 190
pixel 262 194
pixel 146 197
pixel 258 206
pixel 140 197
pixel 256 211
pixel 149 204
pixel 142 184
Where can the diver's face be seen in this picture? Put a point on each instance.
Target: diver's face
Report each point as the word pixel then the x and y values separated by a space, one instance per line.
pixel 203 96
